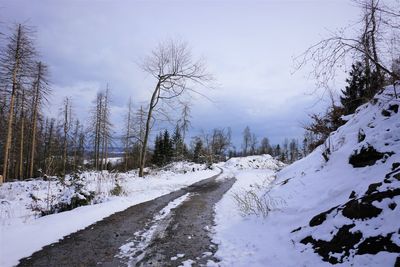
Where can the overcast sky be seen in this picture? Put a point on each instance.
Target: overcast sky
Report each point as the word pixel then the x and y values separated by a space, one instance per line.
pixel 248 46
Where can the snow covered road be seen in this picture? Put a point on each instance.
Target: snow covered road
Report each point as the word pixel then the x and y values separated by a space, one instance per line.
pixel 167 231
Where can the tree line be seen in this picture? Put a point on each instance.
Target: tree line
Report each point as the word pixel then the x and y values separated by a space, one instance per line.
pixel 216 146
pixel 31 143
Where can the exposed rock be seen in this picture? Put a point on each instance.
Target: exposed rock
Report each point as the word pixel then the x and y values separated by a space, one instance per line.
pixel 372 188
pixel 352 195
pixel 355 209
pixel 342 242
pixel 361 135
pixel 367 156
pixel 376 244
pixel 320 218
pixel 386 113
pixel 394 108
pixel 395 165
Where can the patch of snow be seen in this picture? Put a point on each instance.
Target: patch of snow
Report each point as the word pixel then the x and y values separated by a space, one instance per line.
pixel 187 263
pixel 131 249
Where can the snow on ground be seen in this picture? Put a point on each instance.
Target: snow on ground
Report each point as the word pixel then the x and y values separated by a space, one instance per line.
pixel 312 186
pixel 18 222
pixel 244 240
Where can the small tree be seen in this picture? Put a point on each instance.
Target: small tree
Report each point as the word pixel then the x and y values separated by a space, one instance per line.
pixel 197 150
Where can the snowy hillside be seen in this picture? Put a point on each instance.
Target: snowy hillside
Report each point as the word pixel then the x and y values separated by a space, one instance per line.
pixel 339 205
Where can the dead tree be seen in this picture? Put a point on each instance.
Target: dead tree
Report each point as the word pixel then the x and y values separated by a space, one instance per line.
pixel 40 93
pixel 139 131
pixel 95 128
pixel 67 123
pixel 100 129
pixel 246 141
pixel 129 124
pixel 174 70
pixel 16 63
pixel 22 134
pixel 184 121
pixel 331 53
pixel 105 126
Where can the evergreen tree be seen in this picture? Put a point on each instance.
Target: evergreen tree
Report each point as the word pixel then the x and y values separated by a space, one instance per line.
pixel 277 152
pixel 178 145
pixel 157 157
pixel 354 93
pixel 167 148
pixel 362 85
pixel 163 149
pixel 198 147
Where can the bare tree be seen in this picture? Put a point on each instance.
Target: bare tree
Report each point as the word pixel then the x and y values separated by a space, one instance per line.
pixel 100 128
pixel 184 121
pixel 370 45
pixel 77 143
pixel 253 144
pixel 16 62
pixel 129 127
pixel 105 128
pixel 22 133
pixel 66 125
pixel 220 142
pixel 246 140
pixel 40 90
pixel 265 146
pixel 174 70
pixel 140 126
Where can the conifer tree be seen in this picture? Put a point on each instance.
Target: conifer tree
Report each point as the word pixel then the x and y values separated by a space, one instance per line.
pixel 198 147
pixel 354 92
pixel 167 148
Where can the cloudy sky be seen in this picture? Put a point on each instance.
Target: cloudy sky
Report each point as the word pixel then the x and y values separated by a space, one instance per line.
pixel 248 47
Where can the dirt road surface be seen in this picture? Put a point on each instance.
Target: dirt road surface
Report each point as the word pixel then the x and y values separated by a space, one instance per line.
pixel 147 234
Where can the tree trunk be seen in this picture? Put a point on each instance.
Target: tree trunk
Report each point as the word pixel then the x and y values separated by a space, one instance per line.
pixel 128 133
pixel 66 122
pixel 34 122
pixel 11 112
pixel 147 130
pixel 21 142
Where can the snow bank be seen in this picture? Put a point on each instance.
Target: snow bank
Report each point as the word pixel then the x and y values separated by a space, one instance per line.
pixel 254 162
pixel 242 240
pixel 317 194
pixel 23 233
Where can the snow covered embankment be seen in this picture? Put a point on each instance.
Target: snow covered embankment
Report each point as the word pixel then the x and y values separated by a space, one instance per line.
pixel 343 211
pixel 240 232
pixel 22 233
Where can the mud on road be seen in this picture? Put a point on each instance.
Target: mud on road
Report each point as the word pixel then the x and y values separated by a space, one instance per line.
pixel 181 235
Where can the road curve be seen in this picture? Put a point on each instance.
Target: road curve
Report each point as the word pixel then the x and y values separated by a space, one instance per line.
pixel 180 236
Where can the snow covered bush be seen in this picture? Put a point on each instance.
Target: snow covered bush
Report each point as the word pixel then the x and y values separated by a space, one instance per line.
pixel 74 196
pixel 117 190
pixel 257 201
